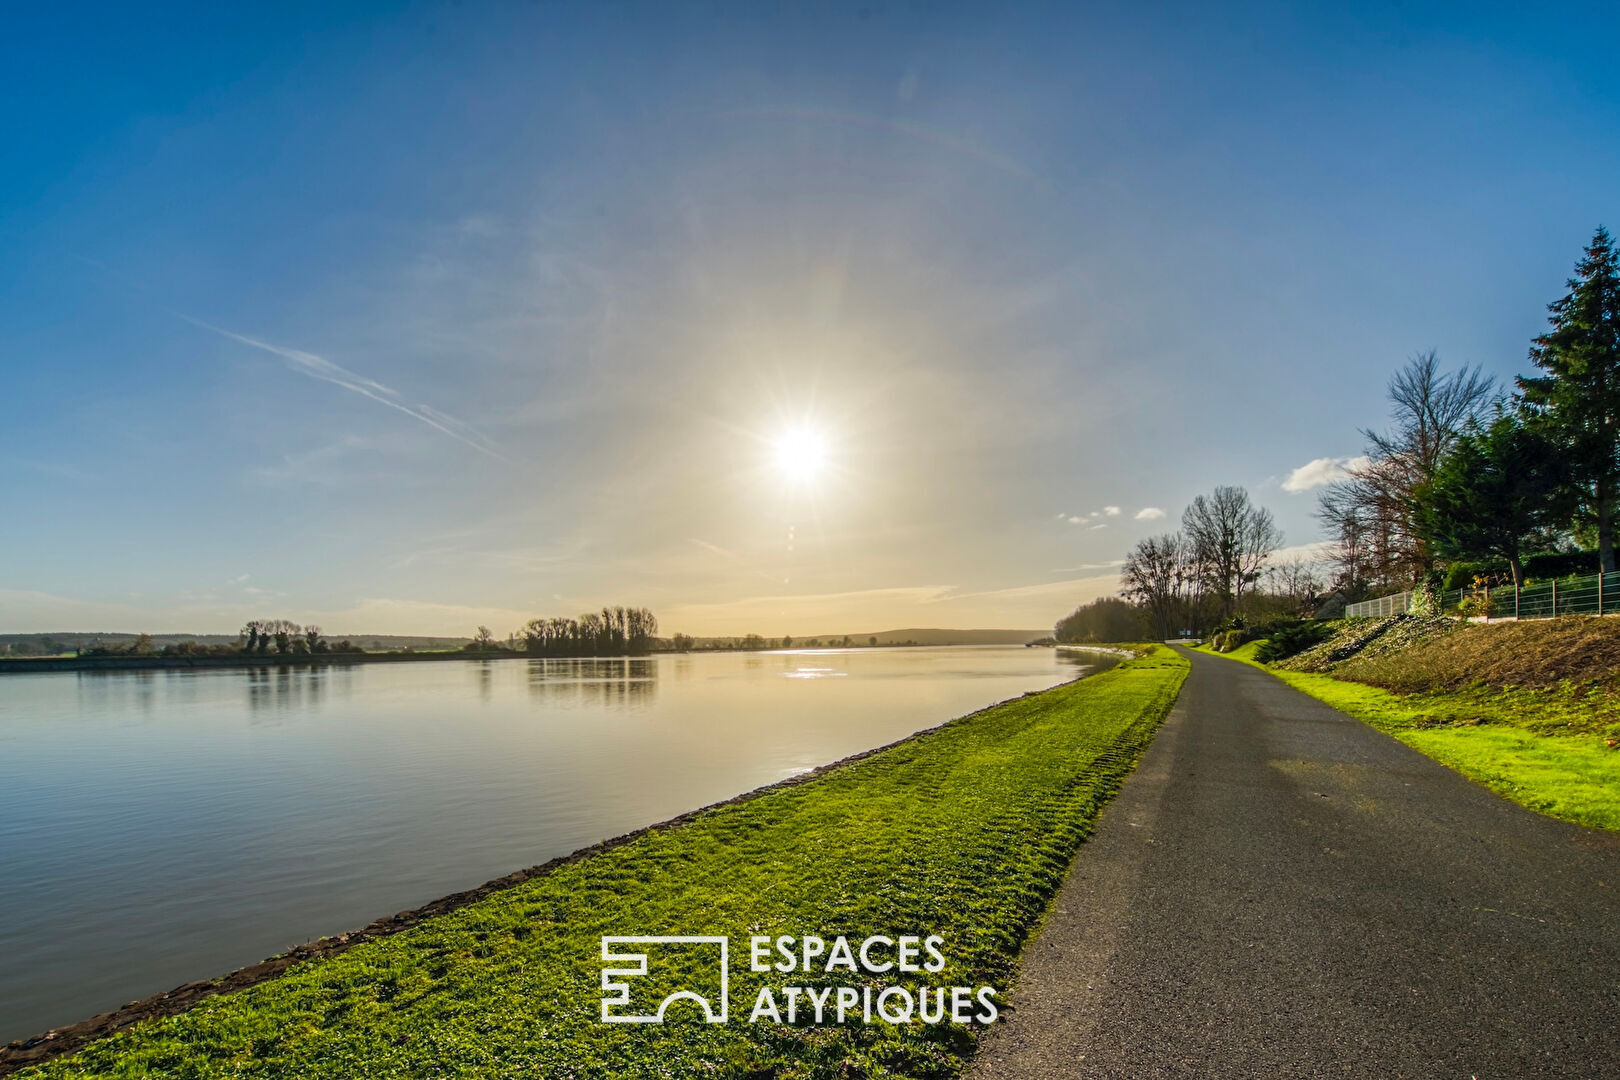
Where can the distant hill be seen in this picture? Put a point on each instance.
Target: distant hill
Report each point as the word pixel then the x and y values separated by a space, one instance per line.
pixel 913 636
pixel 923 636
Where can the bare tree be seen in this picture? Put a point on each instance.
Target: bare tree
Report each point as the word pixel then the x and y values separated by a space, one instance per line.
pixel 1230 540
pixel 1155 576
pixel 1257 539
pixel 1295 582
pixel 1372 514
pixel 1430 410
pixel 1359 537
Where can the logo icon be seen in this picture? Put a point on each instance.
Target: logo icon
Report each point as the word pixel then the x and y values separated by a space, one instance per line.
pixel 618 992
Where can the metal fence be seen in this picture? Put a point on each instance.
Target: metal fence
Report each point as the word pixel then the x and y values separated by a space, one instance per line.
pixel 1398 604
pixel 1596 594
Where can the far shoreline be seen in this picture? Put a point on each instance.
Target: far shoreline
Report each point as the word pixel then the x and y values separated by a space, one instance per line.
pixel 42 664
pixel 35 664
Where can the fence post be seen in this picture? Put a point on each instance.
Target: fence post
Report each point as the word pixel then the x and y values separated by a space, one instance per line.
pixel 1515 601
pixel 1487 603
pixel 1600 590
pixel 1555 598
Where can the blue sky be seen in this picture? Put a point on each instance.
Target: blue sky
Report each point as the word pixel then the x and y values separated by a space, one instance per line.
pixel 410 318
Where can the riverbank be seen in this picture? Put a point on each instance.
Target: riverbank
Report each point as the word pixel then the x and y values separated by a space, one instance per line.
pixel 1530 710
pixel 1107 650
pixel 962 831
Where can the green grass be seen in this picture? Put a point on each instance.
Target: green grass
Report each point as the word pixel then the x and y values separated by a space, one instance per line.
pixel 1508 740
pixel 1244 652
pixel 965 831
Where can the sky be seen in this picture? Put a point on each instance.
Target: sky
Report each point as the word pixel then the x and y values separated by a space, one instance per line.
pixel 411 318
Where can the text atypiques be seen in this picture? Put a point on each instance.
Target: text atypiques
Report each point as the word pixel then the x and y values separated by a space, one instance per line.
pixel 879 955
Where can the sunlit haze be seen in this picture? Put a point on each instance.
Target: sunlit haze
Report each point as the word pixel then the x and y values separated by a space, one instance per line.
pixel 406 320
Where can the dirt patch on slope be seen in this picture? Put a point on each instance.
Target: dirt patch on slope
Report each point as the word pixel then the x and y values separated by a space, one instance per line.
pixel 1365 638
pixel 1578 649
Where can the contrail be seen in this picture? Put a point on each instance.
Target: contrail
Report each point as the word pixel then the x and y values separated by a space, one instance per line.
pixel 319 367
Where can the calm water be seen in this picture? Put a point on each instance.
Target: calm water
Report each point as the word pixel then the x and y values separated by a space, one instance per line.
pixel 160 827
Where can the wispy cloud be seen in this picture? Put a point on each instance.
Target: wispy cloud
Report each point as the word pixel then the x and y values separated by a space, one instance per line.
pixel 26 611
pixel 319 367
pixel 48 468
pixel 1089 518
pixel 384 615
pixel 1096 519
pixel 536 559
pixel 317 466
pixel 715 548
pixel 951 595
pixel 1320 472
pixel 260 594
pixel 1315 552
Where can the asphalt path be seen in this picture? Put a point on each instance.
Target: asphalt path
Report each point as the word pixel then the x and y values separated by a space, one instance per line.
pixel 1280 890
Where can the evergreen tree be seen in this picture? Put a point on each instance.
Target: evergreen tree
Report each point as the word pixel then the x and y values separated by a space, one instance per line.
pixel 1499 486
pixel 1576 403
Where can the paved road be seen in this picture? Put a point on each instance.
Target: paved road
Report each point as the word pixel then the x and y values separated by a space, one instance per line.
pixel 1279 890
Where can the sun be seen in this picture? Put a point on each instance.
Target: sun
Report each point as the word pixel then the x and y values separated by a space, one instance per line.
pixel 801 454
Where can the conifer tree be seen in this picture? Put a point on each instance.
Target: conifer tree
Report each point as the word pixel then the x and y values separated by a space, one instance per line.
pixel 1494 493
pixel 1577 402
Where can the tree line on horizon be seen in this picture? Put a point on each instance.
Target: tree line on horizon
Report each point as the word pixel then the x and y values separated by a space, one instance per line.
pixel 622 631
pixel 258 637
pixel 614 631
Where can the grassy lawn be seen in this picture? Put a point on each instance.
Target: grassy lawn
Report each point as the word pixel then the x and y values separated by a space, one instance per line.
pixel 964 832
pixel 1545 748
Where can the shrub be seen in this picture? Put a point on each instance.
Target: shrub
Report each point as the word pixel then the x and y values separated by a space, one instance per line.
pixel 1288 640
pixel 1462 575
pixel 1561 564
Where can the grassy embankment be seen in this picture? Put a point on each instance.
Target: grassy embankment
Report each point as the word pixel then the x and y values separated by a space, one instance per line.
pixel 964 831
pixel 1529 709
